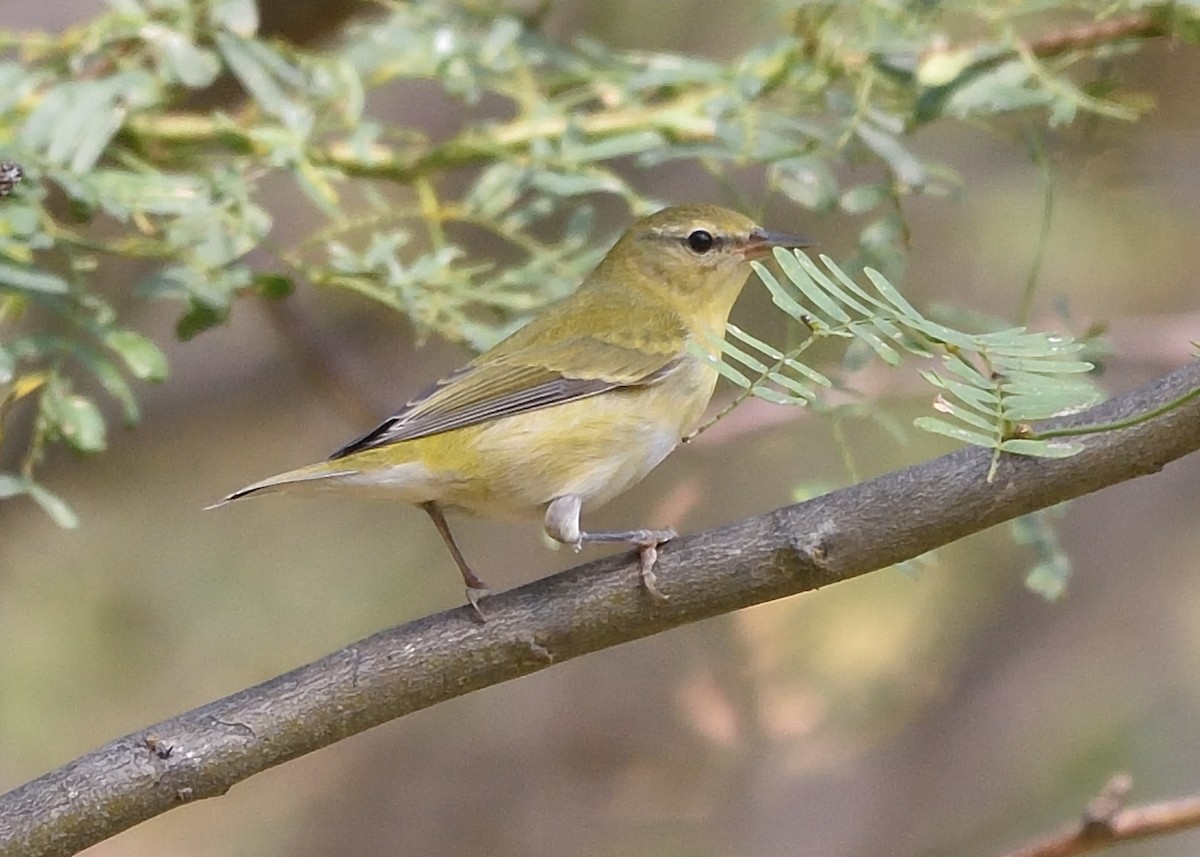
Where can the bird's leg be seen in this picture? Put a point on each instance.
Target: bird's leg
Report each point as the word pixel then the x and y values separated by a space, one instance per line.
pixel 562 525
pixel 476 588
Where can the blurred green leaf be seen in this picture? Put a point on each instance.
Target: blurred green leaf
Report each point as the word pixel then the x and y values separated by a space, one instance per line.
pixel 616 146
pixel 180 57
pixel 239 17
pixel 1052 570
pixel 12 486
pixel 198 318
pixel 123 193
pixel 573 184
pixel 273 286
pixel 16 82
pixel 908 169
pixel 114 383
pixel 265 74
pixel 54 506
pixel 1049 577
pixel 32 280
pixel 318 185
pixel 1002 89
pixel 75 418
pixel 809 181
pixel 863 198
pixel 141 356
pixel 75 121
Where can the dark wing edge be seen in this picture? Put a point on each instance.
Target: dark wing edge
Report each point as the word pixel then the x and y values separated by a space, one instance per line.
pixel 403 425
pixel 372 438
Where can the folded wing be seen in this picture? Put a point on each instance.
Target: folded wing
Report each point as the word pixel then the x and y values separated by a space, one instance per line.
pixel 518 381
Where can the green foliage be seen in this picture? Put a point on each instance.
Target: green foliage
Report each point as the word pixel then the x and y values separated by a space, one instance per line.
pixel 1052 566
pixel 992 385
pixel 121 169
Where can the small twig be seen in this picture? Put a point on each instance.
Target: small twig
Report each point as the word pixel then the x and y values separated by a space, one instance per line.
pixel 1141 25
pixel 682 118
pixel 1105 822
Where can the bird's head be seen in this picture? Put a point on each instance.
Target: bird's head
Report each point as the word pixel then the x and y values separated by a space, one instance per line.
pixel 693 253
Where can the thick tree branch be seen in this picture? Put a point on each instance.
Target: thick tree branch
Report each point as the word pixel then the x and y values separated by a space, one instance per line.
pixel 835 537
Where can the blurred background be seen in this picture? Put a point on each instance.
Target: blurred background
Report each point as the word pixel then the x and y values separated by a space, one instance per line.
pixel 946 711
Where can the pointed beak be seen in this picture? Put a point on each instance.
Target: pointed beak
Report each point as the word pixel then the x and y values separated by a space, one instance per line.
pixel 761 243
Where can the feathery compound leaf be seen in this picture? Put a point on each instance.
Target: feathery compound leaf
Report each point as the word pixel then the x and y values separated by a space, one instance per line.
pixel 830 285
pixel 940 426
pixel 780 296
pixel 890 293
pixel 769 381
pixel 770 394
pixel 745 358
pixel 991 384
pixel 866 333
pixel 805 278
pixel 965 414
pixel 724 369
pixel 782 360
pixel 791 385
pixel 1044 406
pixel 984 400
pixel 1042 448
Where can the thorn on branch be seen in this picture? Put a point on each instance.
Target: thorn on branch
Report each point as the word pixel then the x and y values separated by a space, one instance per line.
pixel 156 746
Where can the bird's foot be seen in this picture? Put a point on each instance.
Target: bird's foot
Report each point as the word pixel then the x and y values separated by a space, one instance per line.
pixel 647 542
pixel 475 593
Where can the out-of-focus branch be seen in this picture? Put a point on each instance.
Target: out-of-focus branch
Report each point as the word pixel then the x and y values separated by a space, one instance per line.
pixel 682 118
pixel 841 535
pixel 1107 822
pixel 1139 25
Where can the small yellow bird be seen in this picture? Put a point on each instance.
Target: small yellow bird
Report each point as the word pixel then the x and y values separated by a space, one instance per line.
pixel 576 406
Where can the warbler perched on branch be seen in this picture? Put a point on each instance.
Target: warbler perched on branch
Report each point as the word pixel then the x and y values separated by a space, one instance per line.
pixel 576 406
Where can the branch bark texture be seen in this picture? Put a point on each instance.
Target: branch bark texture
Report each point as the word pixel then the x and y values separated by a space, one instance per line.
pixel 841 535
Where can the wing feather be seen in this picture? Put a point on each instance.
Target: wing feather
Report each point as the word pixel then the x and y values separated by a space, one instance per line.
pixel 517 382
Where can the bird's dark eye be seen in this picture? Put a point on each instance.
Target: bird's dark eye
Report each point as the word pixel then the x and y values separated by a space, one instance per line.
pixel 700 241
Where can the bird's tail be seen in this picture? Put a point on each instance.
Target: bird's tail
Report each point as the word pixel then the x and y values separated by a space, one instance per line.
pixel 316 473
